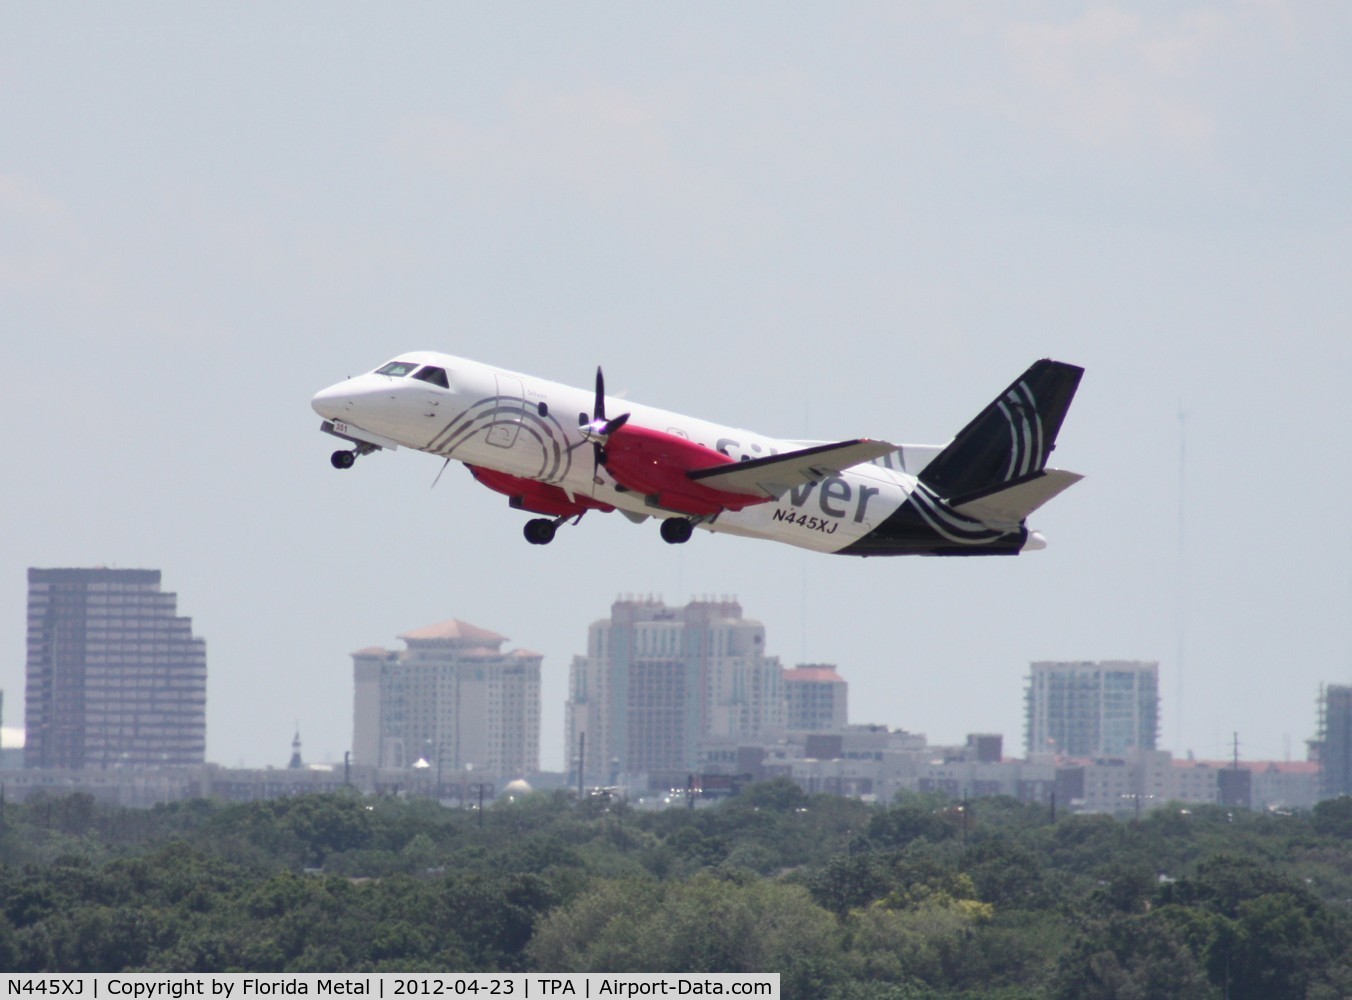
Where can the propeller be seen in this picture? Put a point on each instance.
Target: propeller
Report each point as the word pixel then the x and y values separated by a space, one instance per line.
pixel 599 429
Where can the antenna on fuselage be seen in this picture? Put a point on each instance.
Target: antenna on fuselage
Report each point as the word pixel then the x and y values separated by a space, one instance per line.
pixel 439 472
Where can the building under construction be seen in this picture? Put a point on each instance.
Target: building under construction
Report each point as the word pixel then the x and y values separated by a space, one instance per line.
pixel 1333 746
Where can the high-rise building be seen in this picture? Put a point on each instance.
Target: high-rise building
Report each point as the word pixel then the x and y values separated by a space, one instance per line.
pixel 816 698
pixel 452 700
pixel 1333 746
pixel 115 676
pixel 1103 709
pixel 657 682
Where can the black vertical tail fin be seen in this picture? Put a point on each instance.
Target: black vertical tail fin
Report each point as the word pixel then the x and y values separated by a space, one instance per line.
pixel 1011 439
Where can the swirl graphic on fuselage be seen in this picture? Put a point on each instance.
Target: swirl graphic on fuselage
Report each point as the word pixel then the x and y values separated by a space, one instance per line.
pixel 545 434
pixel 943 520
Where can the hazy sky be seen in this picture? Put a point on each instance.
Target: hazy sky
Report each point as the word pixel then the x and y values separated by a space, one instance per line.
pixel 824 220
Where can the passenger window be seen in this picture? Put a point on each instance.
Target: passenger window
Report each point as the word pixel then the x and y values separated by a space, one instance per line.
pixel 437 376
pixel 396 369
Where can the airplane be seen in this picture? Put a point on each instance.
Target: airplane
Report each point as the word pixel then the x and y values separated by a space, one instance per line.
pixel 555 452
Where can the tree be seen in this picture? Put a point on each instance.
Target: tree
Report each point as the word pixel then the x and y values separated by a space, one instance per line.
pixel 850 882
pixel 900 825
pixel 1333 817
pixel 1280 944
pixel 1131 958
pixel 704 924
pixel 923 943
pixel 1006 874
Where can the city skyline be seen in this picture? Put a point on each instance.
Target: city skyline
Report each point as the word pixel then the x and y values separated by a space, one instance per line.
pixel 669 698
pixel 834 222
pixel 1072 709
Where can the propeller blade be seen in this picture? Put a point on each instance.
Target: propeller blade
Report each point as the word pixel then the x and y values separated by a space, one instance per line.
pixel 611 426
pixel 600 427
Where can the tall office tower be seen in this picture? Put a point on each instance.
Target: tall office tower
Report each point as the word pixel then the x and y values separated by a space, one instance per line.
pixel 115 677
pixel 1101 709
pixel 657 682
pixel 1333 745
pixel 816 697
pixel 451 700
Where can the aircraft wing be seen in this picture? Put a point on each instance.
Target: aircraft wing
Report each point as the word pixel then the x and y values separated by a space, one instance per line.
pixel 775 475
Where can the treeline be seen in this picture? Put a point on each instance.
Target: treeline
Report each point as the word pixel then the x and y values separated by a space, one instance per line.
pixel 914 901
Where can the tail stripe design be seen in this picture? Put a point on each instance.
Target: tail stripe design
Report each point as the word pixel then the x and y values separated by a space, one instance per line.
pixel 948 523
pixel 1019 407
pixel 1011 438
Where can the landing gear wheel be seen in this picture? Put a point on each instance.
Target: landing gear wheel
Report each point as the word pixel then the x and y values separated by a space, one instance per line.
pixel 342 459
pixel 676 530
pixel 539 531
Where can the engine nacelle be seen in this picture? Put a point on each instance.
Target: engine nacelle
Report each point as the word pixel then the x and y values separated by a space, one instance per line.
pixel 655 463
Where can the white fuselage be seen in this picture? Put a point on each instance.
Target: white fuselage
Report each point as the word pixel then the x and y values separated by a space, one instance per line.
pixel 533 429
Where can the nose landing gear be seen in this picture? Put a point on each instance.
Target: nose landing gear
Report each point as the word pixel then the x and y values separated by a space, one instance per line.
pixel 345 458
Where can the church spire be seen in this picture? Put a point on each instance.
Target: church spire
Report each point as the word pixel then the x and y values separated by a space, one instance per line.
pixel 296 763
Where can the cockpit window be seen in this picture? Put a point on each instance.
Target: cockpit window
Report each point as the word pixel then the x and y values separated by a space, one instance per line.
pixel 437 376
pixel 396 369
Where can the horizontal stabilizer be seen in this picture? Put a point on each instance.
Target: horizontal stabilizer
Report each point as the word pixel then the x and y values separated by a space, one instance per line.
pixel 775 475
pixel 1006 506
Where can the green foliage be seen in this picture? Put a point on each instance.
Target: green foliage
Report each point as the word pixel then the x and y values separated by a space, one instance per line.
pixel 1333 817
pixel 915 901
pixel 925 943
pixel 1007 874
pixel 1132 956
pixel 902 824
pixel 704 924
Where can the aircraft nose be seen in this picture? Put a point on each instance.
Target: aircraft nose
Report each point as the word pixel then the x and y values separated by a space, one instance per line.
pixel 332 402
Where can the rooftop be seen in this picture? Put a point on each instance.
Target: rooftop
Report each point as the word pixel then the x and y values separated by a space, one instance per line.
pixel 818 675
pixel 453 633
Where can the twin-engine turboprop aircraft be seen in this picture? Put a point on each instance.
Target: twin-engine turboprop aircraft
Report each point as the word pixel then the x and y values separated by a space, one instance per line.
pixel 554 451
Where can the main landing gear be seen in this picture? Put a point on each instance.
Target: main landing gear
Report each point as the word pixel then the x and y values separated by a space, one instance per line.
pixel 677 530
pixel 540 530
